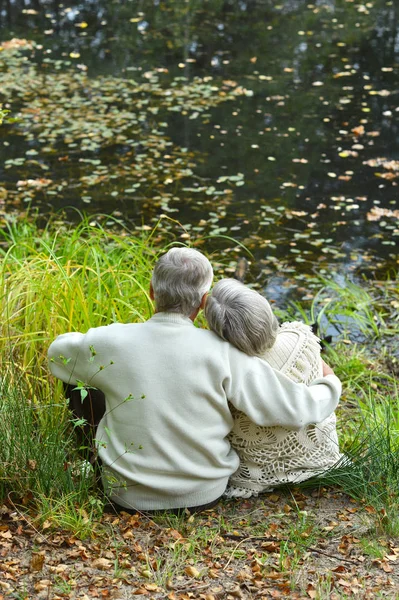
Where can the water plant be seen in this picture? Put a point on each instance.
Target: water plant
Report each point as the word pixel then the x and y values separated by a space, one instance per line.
pixel 3 113
pixel 110 133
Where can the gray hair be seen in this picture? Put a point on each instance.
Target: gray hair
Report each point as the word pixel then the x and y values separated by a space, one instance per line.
pixel 241 316
pixel 180 279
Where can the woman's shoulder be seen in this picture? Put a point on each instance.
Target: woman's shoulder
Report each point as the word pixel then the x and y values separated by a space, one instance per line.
pixel 296 349
pixel 297 328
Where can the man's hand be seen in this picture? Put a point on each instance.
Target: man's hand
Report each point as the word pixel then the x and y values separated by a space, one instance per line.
pixel 326 369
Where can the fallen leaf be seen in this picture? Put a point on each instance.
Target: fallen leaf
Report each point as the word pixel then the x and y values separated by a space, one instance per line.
pixel 192 572
pixel 152 587
pixel 36 562
pixel 6 535
pixel 386 567
pixel 274 497
pixel 102 563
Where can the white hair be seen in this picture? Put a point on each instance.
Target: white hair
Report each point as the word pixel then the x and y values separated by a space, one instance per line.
pixel 180 279
pixel 241 316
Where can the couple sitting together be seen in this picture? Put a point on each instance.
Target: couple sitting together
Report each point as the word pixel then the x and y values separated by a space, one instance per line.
pixel 192 415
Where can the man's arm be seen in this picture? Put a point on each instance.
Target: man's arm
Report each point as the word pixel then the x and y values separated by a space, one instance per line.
pixel 73 357
pixel 269 397
pixel 65 355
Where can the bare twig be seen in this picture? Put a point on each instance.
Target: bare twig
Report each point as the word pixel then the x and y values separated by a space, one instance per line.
pixel 271 539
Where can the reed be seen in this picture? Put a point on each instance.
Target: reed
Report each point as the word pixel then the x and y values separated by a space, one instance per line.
pixel 67 279
pixel 55 280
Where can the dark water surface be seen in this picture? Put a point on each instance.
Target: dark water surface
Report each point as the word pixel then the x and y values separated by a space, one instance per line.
pixel 301 165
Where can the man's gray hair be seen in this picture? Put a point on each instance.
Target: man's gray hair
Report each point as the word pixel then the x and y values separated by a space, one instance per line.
pixel 241 316
pixel 180 279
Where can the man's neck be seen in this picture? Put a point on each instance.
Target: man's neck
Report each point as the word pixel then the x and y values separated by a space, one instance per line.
pixel 193 315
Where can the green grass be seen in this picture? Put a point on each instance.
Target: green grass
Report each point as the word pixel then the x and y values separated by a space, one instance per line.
pixel 365 311
pixel 370 474
pixel 40 467
pixel 364 353
pixel 64 279
pixel 51 281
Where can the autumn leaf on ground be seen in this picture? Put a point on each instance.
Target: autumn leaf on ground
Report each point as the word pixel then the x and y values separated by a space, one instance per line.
pixel 37 562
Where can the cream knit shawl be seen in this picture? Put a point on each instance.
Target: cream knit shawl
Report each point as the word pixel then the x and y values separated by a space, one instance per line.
pixel 270 456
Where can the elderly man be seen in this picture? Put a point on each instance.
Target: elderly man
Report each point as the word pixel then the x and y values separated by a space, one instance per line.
pixel 163 438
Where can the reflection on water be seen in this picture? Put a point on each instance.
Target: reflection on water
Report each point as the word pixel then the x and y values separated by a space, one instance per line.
pixel 312 141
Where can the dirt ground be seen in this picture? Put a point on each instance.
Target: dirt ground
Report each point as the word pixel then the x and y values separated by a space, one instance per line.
pixel 294 544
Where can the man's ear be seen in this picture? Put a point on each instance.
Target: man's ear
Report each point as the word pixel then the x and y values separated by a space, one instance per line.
pixel 203 301
pixel 152 292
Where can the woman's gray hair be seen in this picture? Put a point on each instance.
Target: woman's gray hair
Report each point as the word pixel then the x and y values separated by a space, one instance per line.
pixel 180 279
pixel 241 316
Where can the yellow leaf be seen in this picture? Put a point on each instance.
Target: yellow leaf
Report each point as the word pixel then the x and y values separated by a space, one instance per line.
pixel 151 587
pixel 146 573
pixel 192 572
pixel 274 498
pixel 102 563
pixel 82 25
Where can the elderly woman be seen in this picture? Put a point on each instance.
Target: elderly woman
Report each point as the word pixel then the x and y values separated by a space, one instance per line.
pixel 270 456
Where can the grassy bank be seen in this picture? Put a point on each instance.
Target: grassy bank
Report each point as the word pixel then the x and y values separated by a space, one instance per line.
pixel 51 281
pixel 63 279
pixel 364 351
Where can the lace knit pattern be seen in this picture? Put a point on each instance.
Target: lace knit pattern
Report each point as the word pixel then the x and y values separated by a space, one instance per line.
pixel 270 456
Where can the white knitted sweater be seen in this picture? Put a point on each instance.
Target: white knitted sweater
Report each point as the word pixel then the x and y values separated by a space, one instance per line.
pixel 270 456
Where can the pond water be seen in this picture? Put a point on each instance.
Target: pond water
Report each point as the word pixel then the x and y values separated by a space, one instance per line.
pixel 275 124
